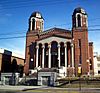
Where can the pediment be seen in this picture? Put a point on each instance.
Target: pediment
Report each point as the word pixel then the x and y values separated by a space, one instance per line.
pixel 55 33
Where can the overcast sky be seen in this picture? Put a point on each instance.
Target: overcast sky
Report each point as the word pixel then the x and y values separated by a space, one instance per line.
pixel 14 15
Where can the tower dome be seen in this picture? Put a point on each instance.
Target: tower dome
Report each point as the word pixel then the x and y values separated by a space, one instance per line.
pixel 36 14
pixel 79 10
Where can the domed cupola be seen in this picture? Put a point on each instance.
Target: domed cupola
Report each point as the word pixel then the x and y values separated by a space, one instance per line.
pixel 79 10
pixel 36 22
pixel 79 18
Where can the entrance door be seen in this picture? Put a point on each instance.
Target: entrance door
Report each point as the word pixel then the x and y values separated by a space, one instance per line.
pixel 54 61
pixel 54 54
pixel 46 80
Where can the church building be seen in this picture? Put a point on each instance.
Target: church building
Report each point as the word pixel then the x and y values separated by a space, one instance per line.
pixel 59 48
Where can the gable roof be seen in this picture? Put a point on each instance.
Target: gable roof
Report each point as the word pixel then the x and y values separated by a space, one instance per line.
pixel 55 29
pixel 55 32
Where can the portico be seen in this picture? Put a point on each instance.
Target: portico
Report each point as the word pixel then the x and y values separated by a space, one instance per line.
pixel 54 52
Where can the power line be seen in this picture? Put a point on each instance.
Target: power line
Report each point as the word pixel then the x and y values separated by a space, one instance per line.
pixel 44 1
pixel 31 35
pixel 29 4
pixel 24 31
pixel 37 3
pixel 13 33
pixel 94 19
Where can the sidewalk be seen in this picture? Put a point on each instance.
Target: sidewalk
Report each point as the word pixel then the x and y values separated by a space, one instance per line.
pixel 26 88
pixel 7 87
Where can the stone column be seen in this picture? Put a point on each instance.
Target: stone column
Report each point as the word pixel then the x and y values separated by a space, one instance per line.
pixel 65 45
pixel 35 25
pixel 58 55
pixel 49 56
pixel 72 54
pixel 42 56
pixel 37 50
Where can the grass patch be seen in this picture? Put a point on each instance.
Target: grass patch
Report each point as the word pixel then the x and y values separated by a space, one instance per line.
pixel 82 85
pixel 73 82
pixel 58 91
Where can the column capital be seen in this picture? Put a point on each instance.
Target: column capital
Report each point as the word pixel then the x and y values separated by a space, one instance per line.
pixel 65 44
pixel 49 45
pixel 58 45
pixel 72 45
pixel 43 46
pixel 37 46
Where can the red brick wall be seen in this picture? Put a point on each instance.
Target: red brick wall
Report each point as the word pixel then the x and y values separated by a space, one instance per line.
pixel 31 37
pixel 81 34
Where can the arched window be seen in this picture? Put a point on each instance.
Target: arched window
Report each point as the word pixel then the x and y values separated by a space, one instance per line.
pixel 33 24
pixel 54 48
pixel 79 20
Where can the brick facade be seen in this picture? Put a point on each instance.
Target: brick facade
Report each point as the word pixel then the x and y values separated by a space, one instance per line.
pixel 83 50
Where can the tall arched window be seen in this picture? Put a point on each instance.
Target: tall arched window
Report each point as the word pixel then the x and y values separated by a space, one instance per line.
pixel 33 24
pixel 79 20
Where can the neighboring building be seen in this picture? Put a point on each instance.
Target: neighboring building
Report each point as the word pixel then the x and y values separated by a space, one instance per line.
pixel 59 48
pixel 96 64
pixel 10 61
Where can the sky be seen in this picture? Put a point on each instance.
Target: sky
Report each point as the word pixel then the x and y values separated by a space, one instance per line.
pixel 14 17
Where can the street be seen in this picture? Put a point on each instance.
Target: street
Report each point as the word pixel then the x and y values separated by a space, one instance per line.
pixel 32 89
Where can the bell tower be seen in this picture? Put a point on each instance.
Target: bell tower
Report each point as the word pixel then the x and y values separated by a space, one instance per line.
pixel 80 39
pixel 79 18
pixel 36 22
